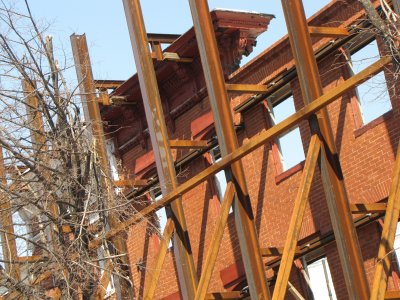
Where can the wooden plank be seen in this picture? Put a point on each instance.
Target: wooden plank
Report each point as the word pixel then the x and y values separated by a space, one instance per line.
pixel 253 144
pixel 296 220
pixel 131 182
pixel 215 242
pixel 162 252
pixel 332 32
pixel 188 144
pixel 247 88
pixel 392 295
pixel 224 295
pixel 383 263
pixel 364 208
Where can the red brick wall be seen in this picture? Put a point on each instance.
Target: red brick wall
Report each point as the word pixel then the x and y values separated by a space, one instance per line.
pixel 367 161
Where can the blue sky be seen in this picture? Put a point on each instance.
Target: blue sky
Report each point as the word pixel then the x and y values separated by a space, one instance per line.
pixel 104 23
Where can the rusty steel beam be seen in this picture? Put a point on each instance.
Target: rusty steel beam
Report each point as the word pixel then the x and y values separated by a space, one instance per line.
pixel 162 38
pixel 332 32
pixel 233 295
pixel 367 208
pixel 215 242
pixel 104 281
pixel 244 219
pixel 160 143
pixel 162 252
pixel 8 241
pixel 383 263
pixel 296 220
pixel 107 84
pixel 247 88
pixel 188 144
pixel 253 144
pixel 92 116
pixel 332 178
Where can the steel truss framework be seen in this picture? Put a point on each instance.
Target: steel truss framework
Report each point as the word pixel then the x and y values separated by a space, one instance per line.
pixel 321 152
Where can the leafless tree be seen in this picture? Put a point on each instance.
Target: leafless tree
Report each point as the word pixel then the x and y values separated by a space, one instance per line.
pixel 53 200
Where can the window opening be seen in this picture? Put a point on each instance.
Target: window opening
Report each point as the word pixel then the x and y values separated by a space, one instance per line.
pixel 320 279
pixel 290 145
pixel 372 95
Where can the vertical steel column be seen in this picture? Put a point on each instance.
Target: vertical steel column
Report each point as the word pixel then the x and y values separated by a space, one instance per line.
pixel 8 241
pixel 338 205
pixel 160 142
pixel 227 139
pixel 92 115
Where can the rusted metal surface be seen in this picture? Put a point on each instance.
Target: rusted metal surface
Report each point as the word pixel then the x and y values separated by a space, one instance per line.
pixel 247 148
pixel 92 116
pixel 335 192
pixel 185 144
pixel 332 32
pixel 299 210
pixel 7 234
pixel 162 38
pixel 160 143
pixel 245 228
pixel 383 262
pixel 162 252
pixel 367 208
pixel 215 242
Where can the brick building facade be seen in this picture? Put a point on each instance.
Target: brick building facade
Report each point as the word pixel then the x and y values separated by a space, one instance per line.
pixel 367 149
